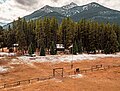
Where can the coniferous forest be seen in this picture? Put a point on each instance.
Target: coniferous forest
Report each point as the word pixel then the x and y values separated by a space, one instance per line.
pixel 85 35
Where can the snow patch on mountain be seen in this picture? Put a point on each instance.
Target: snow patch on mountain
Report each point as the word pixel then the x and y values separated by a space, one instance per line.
pixel 69 6
pixel 93 5
pixel 85 8
pixel 47 9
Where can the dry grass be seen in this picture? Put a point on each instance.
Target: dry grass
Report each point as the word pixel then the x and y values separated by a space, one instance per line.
pixel 92 81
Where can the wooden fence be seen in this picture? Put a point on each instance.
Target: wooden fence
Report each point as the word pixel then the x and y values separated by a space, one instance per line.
pixel 58 71
pixel 97 68
pixel 76 71
pixel 23 82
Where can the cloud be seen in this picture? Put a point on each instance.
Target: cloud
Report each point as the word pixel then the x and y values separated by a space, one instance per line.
pixel 2 1
pixel 27 2
pixel 55 0
pixel 6 19
pixel 11 9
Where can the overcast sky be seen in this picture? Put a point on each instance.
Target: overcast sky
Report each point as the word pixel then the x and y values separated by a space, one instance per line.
pixel 11 9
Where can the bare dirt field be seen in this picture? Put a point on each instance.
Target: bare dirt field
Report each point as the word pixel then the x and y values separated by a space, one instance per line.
pixel 13 69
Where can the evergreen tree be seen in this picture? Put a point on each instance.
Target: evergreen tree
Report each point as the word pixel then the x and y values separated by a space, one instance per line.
pixel 79 44
pixel 111 42
pixel 40 34
pixel 53 49
pixel 42 51
pixel 68 29
pixel 116 28
pixel 31 49
pixel 53 30
pixel 1 37
pixel 89 35
pixel 75 48
pixel 47 32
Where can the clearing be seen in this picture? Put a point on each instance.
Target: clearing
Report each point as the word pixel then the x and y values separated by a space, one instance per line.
pixel 14 69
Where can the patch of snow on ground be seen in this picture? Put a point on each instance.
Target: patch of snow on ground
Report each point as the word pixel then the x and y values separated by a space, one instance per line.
pixel 76 76
pixel 16 61
pixel 57 80
pixel 65 58
pixel 1 57
pixel 7 54
pixel 26 60
pixel 3 69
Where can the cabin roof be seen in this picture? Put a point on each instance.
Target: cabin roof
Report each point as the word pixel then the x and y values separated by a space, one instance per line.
pixel 60 46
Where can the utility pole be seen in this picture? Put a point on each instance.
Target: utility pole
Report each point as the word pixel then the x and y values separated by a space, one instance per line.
pixel 72 58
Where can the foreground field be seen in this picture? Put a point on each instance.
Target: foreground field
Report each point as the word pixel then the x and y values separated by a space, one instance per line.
pixel 16 69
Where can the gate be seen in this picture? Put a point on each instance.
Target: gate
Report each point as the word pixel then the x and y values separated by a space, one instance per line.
pixel 58 72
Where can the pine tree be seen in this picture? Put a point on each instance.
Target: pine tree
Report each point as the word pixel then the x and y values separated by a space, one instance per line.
pixel 89 35
pixel 53 30
pixel 80 46
pixel 111 42
pixel 31 49
pixel 53 49
pixel 68 29
pixel 42 51
pixel 1 37
pixel 116 28
pixel 40 34
pixel 47 32
pixel 21 40
pixel 75 48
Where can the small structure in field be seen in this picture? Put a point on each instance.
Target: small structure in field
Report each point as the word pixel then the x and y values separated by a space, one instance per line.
pixel 60 48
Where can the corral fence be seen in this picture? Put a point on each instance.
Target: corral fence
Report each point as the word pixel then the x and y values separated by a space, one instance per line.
pixel 23 82
pixel 58 72
pixel 95 68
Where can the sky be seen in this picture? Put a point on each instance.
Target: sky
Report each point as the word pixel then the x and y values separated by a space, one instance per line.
pixel 12 9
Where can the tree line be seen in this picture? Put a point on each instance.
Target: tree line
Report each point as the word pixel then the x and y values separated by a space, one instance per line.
pixel 85 35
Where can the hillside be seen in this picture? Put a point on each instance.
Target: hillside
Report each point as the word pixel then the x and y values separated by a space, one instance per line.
pixel 92 11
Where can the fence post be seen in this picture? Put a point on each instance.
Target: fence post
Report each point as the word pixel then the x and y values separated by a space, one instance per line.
pixel 62 72
pixel 28 81
pixel 4 85
pixel 18 83
pixel 53 72
pixel 38 79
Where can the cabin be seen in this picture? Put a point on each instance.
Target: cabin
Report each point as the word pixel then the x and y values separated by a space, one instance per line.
pixel 60 48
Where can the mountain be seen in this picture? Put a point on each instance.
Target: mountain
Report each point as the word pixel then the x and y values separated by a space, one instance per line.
pixel 92 11
pixel 2 24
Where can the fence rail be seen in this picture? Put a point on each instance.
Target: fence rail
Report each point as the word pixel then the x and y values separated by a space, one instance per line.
pixel 32 80
pixel 23 82
pixel 98 68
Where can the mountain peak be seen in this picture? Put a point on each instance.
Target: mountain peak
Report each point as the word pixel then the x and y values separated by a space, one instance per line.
pixel 72 3
pixel 94 4
pixel 46 6
pixel 69 6
pixel 47 9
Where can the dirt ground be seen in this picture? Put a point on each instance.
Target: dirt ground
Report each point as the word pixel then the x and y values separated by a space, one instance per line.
pixel 108 80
